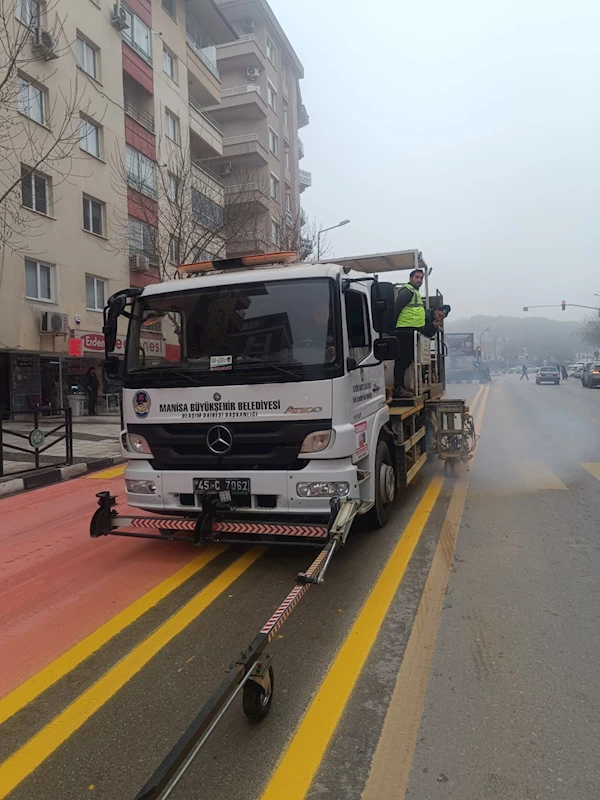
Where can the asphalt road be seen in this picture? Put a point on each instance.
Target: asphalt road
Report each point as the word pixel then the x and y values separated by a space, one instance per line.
pixel 109 647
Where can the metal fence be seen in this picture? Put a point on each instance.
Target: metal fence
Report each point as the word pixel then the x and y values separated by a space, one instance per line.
pixel 42 433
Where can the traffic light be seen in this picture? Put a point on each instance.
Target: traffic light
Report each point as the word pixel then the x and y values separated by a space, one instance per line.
pixel 478 351
pixel 564 305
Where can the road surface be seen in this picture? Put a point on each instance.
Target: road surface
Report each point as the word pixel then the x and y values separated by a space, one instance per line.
pixel 453 654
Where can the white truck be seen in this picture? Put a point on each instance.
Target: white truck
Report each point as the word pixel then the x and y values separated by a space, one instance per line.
pixel 264 417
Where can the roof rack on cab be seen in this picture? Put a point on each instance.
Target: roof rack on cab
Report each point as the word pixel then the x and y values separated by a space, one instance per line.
pixel 244 262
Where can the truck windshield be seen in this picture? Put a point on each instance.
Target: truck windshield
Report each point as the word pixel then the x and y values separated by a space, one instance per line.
pixel 278 330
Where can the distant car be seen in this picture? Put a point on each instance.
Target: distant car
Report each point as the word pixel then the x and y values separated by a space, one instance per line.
pixel 571 370
pixel 532 368
pixel 578 369
pixel 583 374
pixel 548 375
pixel 591 375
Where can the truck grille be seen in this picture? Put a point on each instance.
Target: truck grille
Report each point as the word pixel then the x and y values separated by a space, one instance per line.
pixel 256 445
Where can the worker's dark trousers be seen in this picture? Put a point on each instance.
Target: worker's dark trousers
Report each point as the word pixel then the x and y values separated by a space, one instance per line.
pixel 406 338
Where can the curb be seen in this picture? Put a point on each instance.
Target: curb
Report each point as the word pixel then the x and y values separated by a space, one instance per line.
pixel 45 477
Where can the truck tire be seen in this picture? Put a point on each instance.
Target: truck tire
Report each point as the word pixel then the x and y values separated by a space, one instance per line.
pixel 385 487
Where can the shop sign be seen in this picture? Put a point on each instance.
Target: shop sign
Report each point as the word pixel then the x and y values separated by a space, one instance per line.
pixel 94 343
pixel 25 362
pixel 76 347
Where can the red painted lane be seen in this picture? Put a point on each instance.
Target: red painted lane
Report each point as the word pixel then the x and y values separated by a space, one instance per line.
pixel 57 584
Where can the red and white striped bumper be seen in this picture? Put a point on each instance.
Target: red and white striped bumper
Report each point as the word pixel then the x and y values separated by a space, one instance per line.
pixel 228 526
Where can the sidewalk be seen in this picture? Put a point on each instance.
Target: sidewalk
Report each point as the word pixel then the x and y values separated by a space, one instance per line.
pixel 95 446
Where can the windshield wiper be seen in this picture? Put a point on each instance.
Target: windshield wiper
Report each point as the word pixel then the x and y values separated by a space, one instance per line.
pixel 167 371
pixel 261 363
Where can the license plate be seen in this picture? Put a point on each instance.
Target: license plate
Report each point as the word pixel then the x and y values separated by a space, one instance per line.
pixel 216 485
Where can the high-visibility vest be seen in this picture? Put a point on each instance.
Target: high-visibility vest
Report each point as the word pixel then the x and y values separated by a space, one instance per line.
pixel 412 315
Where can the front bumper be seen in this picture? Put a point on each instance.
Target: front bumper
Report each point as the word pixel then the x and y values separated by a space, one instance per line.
pixel 175 489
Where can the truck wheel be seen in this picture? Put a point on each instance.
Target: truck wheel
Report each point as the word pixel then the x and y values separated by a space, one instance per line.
pixel 385 487
pixel 256 700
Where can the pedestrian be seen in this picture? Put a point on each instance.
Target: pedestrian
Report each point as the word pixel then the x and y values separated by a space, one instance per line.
pixel 410 311
pixel 564 373
pixel 524 372
pixel 92 385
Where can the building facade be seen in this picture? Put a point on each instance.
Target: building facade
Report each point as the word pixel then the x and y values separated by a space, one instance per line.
pixel 151 88
pixel 260 115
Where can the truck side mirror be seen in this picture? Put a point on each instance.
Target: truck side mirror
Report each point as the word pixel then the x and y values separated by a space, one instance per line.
pixel 383 306
pixel 386 348
pixel 113 367
pixel 112 311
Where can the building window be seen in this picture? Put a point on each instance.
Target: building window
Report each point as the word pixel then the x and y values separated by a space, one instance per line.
pixel 140 172
pixel 275 233
pixel 92 215
pixel 38 281
pixel 89 137
pixel 142 238
pixel 172 127
pixel 137 35
pixel 272 96
pixel 32 100
pixel 206 211
pixel 288 204
pixel 285 115
pixel 284 75
pixel 273 142
pixel 95 293
pixel 169 63
pixel 28 12
pixel 172 187
pixel 270 51
pixel 170 6
pixel 357 324
pixel 274 187
pixel 174 249
pixel 35 190
pixel 286 155
pixel 87 57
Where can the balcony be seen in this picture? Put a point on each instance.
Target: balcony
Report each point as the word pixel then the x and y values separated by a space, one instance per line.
pixel 203 70
pixel 248 147
pixel 241 53
pixel 250 244
pixel 250 192
pixel 206 128
pixel 300 149
pixel 138 113
pixel 241 102
pixel 207 181
pixel 305 179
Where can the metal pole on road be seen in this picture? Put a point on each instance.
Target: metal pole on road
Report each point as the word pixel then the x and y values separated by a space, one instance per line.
pixel 339 225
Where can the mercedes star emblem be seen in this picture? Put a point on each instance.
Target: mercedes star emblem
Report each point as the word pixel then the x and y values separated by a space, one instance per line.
pixel 219 439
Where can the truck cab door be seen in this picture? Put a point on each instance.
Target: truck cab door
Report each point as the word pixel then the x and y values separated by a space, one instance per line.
pixel 361 391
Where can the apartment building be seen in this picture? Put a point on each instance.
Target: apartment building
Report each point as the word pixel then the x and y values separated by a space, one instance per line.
pixel 143 72
pixel 260 114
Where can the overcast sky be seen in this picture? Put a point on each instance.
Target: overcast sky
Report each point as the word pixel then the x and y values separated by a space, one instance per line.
pixel 470 130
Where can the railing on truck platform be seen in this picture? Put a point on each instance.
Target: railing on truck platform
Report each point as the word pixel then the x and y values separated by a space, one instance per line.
pixel 42 431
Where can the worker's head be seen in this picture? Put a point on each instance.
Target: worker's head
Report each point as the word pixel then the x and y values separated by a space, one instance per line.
pixel 416 278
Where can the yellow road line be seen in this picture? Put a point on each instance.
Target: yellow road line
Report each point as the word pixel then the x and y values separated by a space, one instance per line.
pixel 22 763
pixel 112 472
pixel 593 468
pixel 537 475
pixel 64 664
pixel 293 776
pixel 392 762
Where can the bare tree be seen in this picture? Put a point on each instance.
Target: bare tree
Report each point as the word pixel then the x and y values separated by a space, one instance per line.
pixel 27 148
pixel 589 331
pixel 301 235
pixel 182 212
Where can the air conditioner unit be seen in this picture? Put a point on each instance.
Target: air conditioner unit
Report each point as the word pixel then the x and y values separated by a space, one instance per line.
pixel 252 73
pixel 119 17
pixel 138 262
pixel 248 25
pixel 225 169
pixel 54 322
pixel 43 42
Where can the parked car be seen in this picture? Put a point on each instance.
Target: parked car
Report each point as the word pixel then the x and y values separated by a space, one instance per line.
pixel 591 375
pixel 548 375
pixel 578 371
pixel 571 370
pixel 586 366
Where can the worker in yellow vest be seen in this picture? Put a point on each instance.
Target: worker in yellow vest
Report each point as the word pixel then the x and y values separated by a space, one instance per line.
pixel 410 310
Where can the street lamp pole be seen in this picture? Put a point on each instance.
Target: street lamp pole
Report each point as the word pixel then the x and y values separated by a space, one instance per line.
pixel 487 330
pixel 339 225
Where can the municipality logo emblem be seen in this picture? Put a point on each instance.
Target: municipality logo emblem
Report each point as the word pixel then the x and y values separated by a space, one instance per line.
pixel 141 404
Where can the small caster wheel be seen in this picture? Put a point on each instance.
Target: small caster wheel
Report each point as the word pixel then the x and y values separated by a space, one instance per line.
pixel 257 698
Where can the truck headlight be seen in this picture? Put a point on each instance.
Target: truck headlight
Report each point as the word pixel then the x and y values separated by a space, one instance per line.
pixel 137 444
pixel 323 489
pixel 316 441
pixel 141 487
